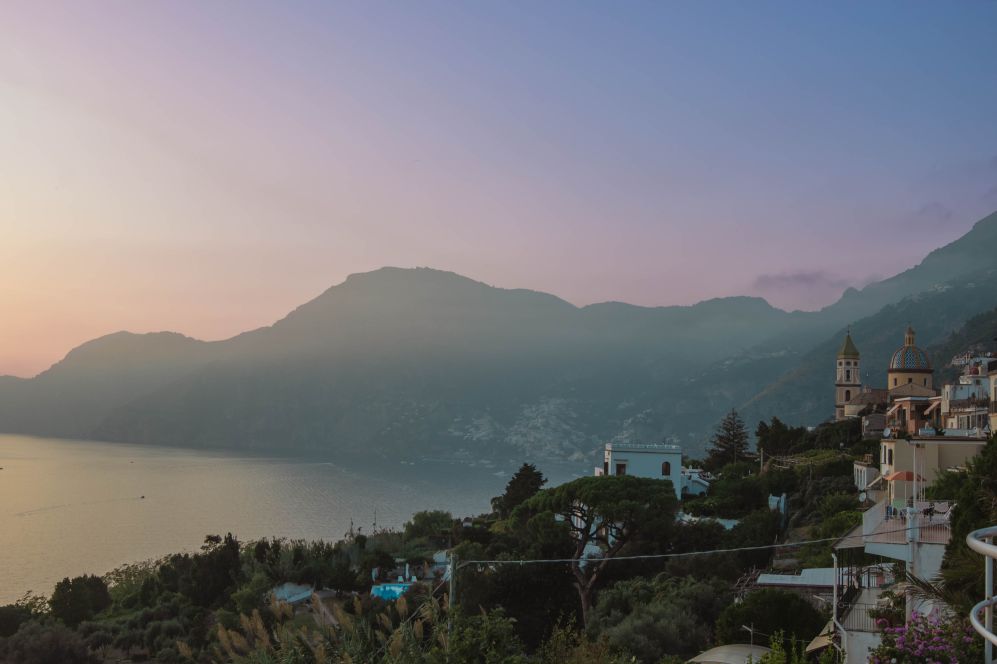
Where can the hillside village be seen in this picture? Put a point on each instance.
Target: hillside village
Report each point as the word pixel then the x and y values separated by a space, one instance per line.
pixel 926 433
pixel 844 542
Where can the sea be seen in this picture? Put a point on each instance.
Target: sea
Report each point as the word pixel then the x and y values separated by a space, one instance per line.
pixel 72 507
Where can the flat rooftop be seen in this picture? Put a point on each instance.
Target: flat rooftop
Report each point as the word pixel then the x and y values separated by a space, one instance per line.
pixel 643 447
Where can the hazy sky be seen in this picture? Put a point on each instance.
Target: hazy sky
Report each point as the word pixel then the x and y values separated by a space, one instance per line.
pixel 205 167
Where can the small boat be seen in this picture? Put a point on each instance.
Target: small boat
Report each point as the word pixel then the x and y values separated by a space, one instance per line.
pixel 142 498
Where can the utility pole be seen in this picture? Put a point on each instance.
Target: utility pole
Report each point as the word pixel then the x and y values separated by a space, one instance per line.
pixel 452 598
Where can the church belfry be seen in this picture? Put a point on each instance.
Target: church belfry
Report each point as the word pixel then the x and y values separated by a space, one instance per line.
pixel 848 379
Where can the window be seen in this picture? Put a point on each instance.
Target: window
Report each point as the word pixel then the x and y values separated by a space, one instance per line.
pixel 848 375
pixel 910 380
pixel 848 395
pixel 605 468
pixel 889 457
pixel 666 468
pixel 621 469
pixel 894 382
pixel 926 382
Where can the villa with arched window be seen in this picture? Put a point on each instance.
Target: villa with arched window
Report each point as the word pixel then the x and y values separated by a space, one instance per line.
pixel 651 460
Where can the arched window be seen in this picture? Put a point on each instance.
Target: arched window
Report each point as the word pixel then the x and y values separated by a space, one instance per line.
pixel 666 468
pixel 848 375
pixel 848 395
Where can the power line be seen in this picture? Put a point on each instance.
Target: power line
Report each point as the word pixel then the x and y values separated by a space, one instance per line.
pixel 544 561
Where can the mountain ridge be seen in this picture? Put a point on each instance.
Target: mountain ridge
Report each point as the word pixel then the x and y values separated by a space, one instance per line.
pixel 421 361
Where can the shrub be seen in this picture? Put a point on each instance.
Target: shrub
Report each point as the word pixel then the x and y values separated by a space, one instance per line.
pixel 928 639
pixel 37 643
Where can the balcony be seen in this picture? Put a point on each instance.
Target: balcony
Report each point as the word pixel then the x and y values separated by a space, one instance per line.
pixel 925 527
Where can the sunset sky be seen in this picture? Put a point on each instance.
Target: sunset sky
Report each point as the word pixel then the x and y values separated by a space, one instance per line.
pixel 205 167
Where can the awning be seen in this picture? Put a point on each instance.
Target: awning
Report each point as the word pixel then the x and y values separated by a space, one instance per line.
pixel 904 476
pixel 873 484
pixel 893 410
pixel 853 539
pixel 822 640
pixel 733 653
pixel 932 407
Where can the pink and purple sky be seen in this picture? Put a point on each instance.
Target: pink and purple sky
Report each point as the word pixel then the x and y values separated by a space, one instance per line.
pixel 206 167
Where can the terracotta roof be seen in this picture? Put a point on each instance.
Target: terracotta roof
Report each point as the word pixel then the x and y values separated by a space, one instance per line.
pixel 912 390
pixel 903 476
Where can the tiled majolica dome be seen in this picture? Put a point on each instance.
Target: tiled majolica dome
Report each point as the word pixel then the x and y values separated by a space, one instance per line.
pixel 909 357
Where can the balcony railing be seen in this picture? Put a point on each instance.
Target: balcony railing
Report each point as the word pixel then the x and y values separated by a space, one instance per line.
pixel 857 618
pixel 653 447
pixel 982 541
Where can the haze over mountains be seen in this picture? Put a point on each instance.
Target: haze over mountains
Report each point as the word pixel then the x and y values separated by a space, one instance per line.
pixel 417 363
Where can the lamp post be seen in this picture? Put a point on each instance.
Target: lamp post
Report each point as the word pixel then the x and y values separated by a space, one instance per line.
pixel 750 630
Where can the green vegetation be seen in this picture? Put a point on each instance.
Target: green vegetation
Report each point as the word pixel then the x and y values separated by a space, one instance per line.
pixel 976 507
pixel 610 512
pixel 524 485
pixel 777 439
pixel 769 611
pixel 614 586
pixel 79 599
pixel 729 443
pixel 648 617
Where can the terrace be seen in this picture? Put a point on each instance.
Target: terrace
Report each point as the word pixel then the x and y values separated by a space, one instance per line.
pixel 930 524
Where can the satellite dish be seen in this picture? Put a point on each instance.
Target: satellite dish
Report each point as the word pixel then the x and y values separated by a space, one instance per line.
pixel 862 497
pixel 887 432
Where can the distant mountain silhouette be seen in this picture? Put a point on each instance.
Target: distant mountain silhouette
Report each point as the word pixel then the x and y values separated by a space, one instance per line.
pixel 421 363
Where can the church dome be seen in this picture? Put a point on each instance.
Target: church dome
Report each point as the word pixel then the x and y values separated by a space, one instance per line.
pixel 909 357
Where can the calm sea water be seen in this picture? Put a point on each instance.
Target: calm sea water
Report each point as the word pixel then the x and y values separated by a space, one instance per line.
pixel 72 507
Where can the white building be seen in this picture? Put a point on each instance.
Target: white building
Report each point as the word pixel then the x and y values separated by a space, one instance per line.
pixel 864 472
pixel 653 460
pixel 965 404
pixel 917 540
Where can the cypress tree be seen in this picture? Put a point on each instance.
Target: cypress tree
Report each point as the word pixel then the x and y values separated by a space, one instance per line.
pixel 729 442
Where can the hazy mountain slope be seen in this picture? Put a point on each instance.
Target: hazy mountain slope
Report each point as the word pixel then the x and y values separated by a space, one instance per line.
pixel 427 362
pixel 973 252
pixel 76 393
pixel 979 334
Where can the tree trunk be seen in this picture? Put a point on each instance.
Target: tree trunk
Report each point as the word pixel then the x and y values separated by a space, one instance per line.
pixel 585 595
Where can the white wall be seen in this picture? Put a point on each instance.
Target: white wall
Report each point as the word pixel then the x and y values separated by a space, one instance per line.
pixel 858 645
pixel 648 462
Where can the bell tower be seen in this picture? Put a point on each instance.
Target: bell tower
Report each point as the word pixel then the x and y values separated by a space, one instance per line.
pixel 848 379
